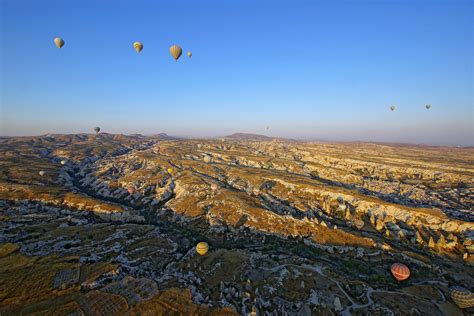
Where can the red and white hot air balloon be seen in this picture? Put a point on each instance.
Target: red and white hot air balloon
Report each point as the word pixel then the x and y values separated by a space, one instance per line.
pixel 400 271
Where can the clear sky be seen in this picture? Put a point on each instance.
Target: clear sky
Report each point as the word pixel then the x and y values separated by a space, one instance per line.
pixel 308 69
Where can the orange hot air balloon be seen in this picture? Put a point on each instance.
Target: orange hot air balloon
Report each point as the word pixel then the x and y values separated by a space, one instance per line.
pixel 131 190
pixel 400 271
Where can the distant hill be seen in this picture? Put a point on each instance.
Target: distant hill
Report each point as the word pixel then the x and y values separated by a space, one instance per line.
pixel 163 136
pixel 247 136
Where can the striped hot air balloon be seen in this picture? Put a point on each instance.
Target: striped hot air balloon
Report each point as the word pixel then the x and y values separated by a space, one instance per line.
pixel 202 248
pixel 138 46
pixel 400 271
pixel 176 52
pixel 462 296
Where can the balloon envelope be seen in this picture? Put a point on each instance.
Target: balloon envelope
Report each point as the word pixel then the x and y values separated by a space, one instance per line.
pixel 131 190
pixel 138 46
pixel 41 173
pixel 462 296
pixel 340 200
pixel 97 129
pixel 59 42
pixel 176 51
pixel 392 107
pixel 400 271
pixel 428 106
pixel 63 162
pixel 202 248
pixel 170 170
pixel 190 54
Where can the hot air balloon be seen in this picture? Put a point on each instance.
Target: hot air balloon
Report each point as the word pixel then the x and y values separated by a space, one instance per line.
pixel 207 159
pixel 392 108
pixel 176 52
pixel 340 200
pixel 41 173
pixel 359 223
pixel 213 187
pixel 138 46
pixel 97 129
pixel 428 106
pixel 131 190
pixel 400 271
pixel 202 248
pixel 63 162
pixel 189 54
pixel 59 42
pixel 170 170
pixel 462 296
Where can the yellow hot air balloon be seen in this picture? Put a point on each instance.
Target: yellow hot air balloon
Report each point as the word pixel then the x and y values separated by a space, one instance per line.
pixel 138 46
pixel 176 52
pixel 170 170
pixel 189 54
pixel 59 42
pixel 202 248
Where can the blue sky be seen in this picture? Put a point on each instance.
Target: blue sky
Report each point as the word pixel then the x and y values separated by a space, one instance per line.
pixel 309 69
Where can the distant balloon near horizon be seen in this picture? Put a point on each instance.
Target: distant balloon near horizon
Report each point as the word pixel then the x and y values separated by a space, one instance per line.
pixel 176 52
pixel 189 54
pixel 59 42
pixel 393 108
pixel 97 129
pixel 428 106
pixel 138 46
